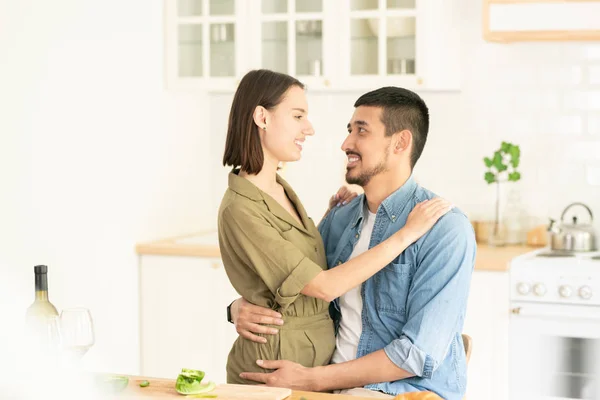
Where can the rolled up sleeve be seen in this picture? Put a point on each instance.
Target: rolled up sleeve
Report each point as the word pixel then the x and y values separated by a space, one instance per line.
pixel 299 277
pixel 437 297
pixel 247 240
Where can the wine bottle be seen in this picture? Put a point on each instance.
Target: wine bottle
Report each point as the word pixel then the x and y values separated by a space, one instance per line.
pixel 42 331
pixel 41 321
pixel 41 307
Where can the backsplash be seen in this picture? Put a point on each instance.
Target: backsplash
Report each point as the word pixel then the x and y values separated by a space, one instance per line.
pixel 544 97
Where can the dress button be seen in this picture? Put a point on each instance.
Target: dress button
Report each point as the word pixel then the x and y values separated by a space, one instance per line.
pixel 339 263
pixel 356 236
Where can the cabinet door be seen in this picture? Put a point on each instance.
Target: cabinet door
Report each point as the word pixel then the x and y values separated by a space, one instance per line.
pixel 202 42
pixel 487 323
pixel 290 37
pixel 337 44
pixel 379 42
pixel 398 42
pixel 438 45
pixel 518 21
pixel 182 316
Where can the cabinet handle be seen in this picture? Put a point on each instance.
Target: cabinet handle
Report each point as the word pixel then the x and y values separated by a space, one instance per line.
pixel 419 81
pixel 327 83
pixel 516 310
pixel 215 265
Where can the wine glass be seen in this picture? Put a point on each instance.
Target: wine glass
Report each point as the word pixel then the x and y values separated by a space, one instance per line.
pixel 76 331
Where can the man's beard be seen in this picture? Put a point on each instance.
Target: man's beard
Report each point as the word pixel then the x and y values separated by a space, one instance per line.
pixel 365 176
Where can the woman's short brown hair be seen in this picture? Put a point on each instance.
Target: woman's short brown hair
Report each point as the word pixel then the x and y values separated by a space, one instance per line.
pixel 257 88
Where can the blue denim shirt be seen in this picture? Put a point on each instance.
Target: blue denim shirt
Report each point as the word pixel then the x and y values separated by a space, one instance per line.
pixel 415 307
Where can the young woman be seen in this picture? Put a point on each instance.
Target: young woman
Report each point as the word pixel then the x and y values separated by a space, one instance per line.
pixel 272 251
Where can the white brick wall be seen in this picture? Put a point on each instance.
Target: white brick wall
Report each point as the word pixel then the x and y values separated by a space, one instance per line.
pixel 594 74
pixel 593 124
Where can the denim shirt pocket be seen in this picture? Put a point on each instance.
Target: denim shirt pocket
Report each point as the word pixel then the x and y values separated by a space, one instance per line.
pixel 391 290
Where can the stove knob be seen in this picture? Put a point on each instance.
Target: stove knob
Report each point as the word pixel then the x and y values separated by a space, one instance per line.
pixel 585 292
pixel 523 288
pixel 565 291
pixel 539 289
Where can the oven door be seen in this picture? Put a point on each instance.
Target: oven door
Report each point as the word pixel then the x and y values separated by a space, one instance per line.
pixel 554 352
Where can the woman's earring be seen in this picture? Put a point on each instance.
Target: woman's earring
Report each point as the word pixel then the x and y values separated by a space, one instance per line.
pixel 264 128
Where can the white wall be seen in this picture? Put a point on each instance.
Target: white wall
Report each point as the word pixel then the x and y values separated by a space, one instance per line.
pixel 95 156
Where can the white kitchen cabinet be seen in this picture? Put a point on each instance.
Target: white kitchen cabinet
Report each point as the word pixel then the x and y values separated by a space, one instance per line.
pixel 183 321
pixel 408 43
pixel 487 323
pixel 292 37
pixel 527 20
pixel 202 43
pixel 327 44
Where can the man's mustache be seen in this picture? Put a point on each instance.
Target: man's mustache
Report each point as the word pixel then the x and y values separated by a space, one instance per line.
pixel 352 152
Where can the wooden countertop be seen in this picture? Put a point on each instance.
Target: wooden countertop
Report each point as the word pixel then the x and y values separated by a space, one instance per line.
pixel 497 259
pixel 201 244
pixel 205 244
pixel 161 388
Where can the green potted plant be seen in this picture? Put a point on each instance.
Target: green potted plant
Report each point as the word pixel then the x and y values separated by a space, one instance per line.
pixel 502 167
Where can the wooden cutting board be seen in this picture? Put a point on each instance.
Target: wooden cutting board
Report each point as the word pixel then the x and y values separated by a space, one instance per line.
pixel 165 389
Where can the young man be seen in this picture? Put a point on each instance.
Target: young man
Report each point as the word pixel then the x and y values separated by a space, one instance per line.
pixel 401 330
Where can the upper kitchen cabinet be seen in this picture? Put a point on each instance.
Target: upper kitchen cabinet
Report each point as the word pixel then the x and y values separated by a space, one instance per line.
pixel 409 43
pixel 535 20
pixel 203 43
pixel 288 36
pixel 327 44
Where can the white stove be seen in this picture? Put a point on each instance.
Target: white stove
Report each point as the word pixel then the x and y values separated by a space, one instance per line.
pixel 554 331
pixel 545 276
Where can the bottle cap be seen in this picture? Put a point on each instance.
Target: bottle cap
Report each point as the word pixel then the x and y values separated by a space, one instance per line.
pixel 40 269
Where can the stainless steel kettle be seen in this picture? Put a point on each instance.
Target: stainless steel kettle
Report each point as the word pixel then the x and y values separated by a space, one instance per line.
pixel 572 237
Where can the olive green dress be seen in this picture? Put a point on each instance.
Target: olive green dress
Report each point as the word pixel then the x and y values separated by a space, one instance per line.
pixel 269 257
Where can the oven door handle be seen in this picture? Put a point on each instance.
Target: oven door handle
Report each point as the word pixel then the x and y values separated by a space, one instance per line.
pixel 580 314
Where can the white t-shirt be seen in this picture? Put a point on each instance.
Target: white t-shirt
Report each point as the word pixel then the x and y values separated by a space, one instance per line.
pixel 350 329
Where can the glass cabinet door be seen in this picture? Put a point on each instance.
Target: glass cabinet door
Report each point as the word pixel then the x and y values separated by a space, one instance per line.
pixel 275 46
pixel 292 36
pixel 382 37
pixel 203 37
pixel 338 44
